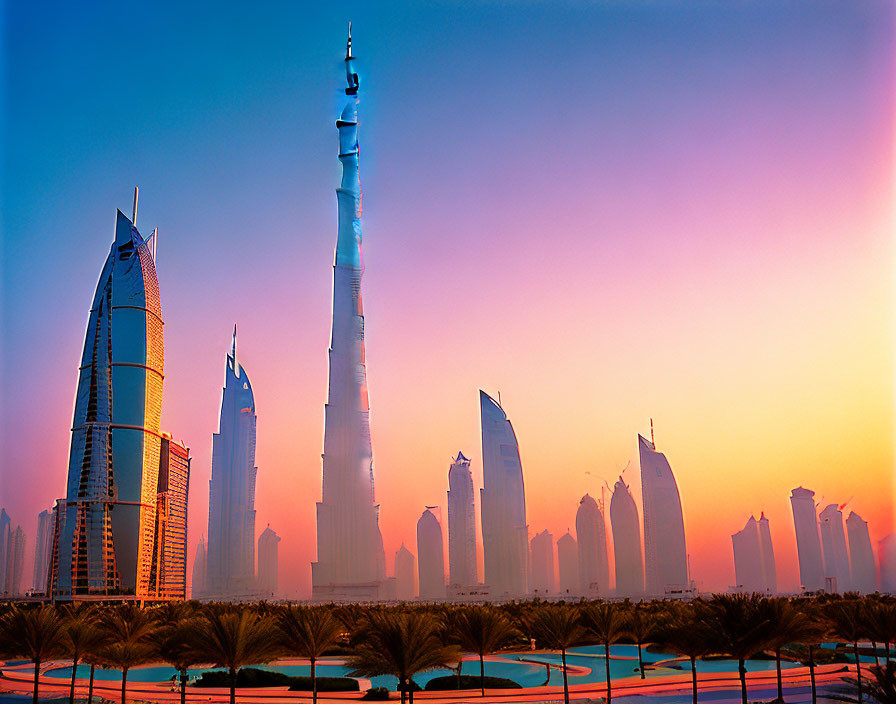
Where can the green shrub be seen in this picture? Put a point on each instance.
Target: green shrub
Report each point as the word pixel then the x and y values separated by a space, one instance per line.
pixel 325 684
pixel 441 684
pixel 376 694
pixel 255 677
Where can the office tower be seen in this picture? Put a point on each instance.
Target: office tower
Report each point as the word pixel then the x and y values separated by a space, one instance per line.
pixel 168 577
pixel 886 558
pixel 404 574
pixel 753 560
pixel 200 570
pixel 808 543
pixel 461 524
pixel 106 545
pixel 626 526
pixel 861 557
pixel 542 562
pixel 15 562
pixel 568 565
pixel 665 550
pixel 833 546
pixel 430 557
pixel 43 544
pixel 267 562
pixel 350 559
pixel 591 539
pixel 505 538
pixel 231 506
pixel 4 544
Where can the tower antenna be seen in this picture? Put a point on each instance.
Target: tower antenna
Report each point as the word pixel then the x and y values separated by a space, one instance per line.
pixel 348 43
pixel 652 441
pixel 236 366
pixel 155 244
pixel 499 400
pixel 134 216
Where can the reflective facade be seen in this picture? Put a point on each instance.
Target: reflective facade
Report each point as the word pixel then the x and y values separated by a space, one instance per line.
pixel 505 536
pixel 591 537
pixel 350 558
pixel 808 543
pixel 461 524
pixel 626 526
pixel 430 557
pixel 168 578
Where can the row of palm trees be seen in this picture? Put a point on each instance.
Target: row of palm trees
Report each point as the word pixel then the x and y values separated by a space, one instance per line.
pixel 407 639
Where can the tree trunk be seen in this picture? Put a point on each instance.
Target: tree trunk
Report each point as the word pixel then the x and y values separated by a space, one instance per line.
pixel 565 681
pixel 812 674
pixel 232 685
pixel 855 650
pixel 90 686
pixel 876 656
pixel 402 686
pixel 71 693
pixel 183 686
pixel 482 673
pixel 314 680
pixel 124 685
pixel 694 676
pixel 778 669
pixel 609 679
pixel 742 671
pixel 36 678
pixel 410 690
pixel 640 661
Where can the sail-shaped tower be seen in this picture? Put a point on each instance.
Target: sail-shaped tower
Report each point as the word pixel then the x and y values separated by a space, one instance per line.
pixel 230 557
pixel 505 537
pixel 808 542
pixel 861 556
pixel 833 546
pixel 665 550
pixel 350 559
pixel 591 537
pixel 626 525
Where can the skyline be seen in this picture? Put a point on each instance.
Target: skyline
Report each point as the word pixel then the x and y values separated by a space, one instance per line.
pixel 524 353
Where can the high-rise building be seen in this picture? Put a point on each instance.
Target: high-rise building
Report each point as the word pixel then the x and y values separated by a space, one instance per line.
pixel 541 547
pixel 886 558
pixel 231 506
pixel 626 525
pixel 863 575
pixel 106 544
pixel 15 562
pixel 268 543
pixel 350 559
pixel 665 550
pixel 591 538
pixel 753 563
pixel 430 557
pixel 808 543
pixel 833 546
pixel 461 524
pixel 200 570
pixel 568 565
pixel 404 574
pixel 505 538
pixel 168 577
pixel 4 544
pixel 769 570
pixel 43 545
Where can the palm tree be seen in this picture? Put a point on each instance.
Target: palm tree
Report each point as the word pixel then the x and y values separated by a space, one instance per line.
pixel 399 643
pixel 481 630
pixel 607 623
pixel 309 632
pixel 683 633
pixel 788 625
pixel 37 633
pixel 128 630
pixel 811 656
pixel 739 628
pixel 558 626
pixel 232 640
pixel 177 642
pixel 642 626
pixel 880 623
pixel 847 622
pixel 83 636
pixel 880 687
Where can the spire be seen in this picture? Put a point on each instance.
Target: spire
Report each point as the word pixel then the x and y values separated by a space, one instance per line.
pixel 348 44
pixel 652 441
pixel 351 78
pixel 155 243
pixel 134 215
pixel 236 366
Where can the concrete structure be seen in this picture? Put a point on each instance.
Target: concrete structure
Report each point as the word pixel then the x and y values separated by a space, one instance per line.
pixel 886 558
pixel 591 538
pixel 808 543
pixel 541 560
pixel 106 542
pixel 754 561
pixel 665 549
pixel 350 559
pixel 567 565
pixel 15 563
pixel 462 571
pixel 231 507
pixel 626 526
pixel 405 589
pixel 200 570
pixel 43 546
pixel 863 575
pixel 833 546
pixel 268 560
pixel 430 557
pixel 505 539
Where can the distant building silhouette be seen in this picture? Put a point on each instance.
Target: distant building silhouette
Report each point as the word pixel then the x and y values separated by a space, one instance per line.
pixel 4 546
pixel 404 574
pixel 861 557
pixel 808 543
pixel 200 570
pixel 833 546
pixel 568 565
pixel 43 546
pixel 542 564
pixel 591 539
pixel 754 561
pixel 15 563
pixel 886 557
pixel 268 560
pixel 626 525
pixel 461 524
pixel 430 557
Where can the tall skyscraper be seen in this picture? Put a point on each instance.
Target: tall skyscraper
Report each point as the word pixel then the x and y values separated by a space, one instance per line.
pixel 106 546
pixel 268 543
pixel 542 562
pixel 665 550
pixel 198 587
pixel 4 544
pixel 430 557
pixel 168 577
pixel 753 565
pixel 43 545
pixel 769 569
pixel 626 525
pixel 591 538
pixel 231 506
pixel 808 543
pixel 833 546
pixel 861 557
pixel 404 574
pixel 350 559
pixel 505 534
pixel 461 524
pixel 15 562
pixel 568 565
pixel 886 558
